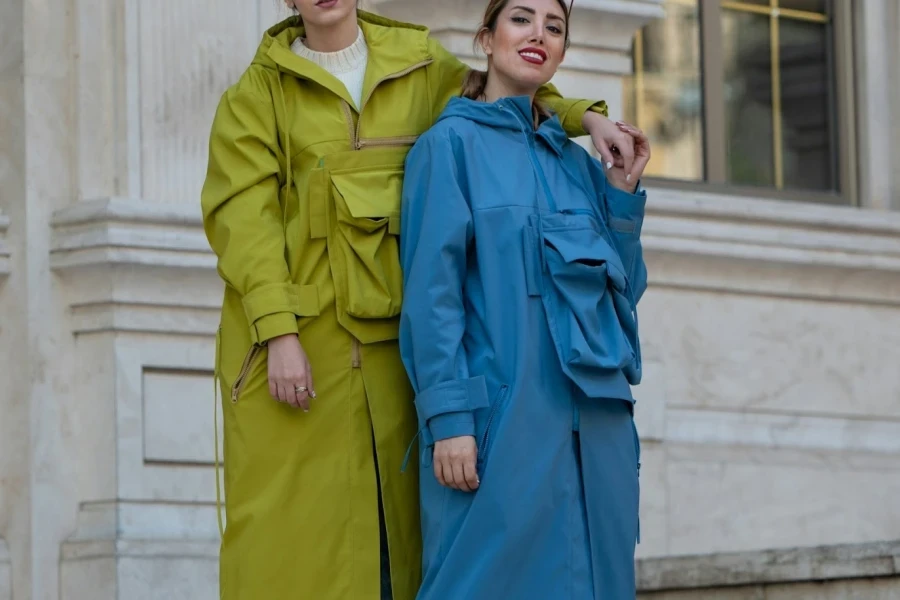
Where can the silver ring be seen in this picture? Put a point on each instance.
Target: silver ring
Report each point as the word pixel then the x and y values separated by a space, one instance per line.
pixel 298 389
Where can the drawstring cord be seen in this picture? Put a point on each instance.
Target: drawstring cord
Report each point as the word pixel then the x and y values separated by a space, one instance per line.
pixel 426 439
pixel 216 371
pixel 537 204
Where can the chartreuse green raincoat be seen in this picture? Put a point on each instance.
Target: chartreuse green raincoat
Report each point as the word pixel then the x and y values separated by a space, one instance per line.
pixel 302 206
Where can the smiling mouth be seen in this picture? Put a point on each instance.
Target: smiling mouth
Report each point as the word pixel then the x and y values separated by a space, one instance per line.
pixel 534 55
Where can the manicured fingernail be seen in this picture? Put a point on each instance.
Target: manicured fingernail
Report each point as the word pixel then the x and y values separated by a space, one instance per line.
pixel 628 177
pixel 608 166
pixel 313 394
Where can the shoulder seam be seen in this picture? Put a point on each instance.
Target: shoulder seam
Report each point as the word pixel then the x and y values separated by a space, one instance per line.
pixel 244 87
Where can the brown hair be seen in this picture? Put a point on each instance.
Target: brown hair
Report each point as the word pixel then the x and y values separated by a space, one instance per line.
pixel 476 80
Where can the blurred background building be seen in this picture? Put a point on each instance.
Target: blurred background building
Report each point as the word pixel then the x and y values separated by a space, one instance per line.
pixel 770 414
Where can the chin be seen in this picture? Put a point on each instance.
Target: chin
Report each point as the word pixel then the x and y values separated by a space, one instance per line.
pixel 531 80
pixel 336 15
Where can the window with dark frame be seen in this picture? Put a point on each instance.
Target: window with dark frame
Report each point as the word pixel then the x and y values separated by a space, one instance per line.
pixel 742 94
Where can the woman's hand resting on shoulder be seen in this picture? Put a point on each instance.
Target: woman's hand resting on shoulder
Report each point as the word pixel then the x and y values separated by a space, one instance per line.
pixel 617 175
pixel 290 376
pixel 454 463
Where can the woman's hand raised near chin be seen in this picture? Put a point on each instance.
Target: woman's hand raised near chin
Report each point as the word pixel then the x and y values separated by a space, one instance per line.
pixel 290 376
pixel 617 175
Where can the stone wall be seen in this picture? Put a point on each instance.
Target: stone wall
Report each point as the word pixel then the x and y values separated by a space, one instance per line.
pixel 770 415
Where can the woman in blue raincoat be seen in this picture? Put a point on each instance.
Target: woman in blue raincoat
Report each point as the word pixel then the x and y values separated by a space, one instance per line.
pixel 522 271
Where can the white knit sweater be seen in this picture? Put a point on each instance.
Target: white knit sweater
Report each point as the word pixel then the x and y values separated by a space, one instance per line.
pixel 347 65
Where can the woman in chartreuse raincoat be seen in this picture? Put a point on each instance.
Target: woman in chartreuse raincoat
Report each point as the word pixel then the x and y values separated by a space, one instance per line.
pixel 523 269
pixel 302 206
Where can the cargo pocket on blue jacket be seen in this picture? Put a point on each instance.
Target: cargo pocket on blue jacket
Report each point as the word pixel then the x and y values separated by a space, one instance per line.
pixel 585 294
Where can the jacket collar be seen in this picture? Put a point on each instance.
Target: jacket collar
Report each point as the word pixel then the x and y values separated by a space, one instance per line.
pixel 393 48
pixel 550 129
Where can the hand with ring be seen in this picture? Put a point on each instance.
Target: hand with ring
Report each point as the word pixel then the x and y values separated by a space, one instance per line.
pixel 627 180
pixel 290 375
pixel 455 462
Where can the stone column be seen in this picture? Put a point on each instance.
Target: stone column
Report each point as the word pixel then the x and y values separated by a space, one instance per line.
pixel 15 512
pixel 108 293
pixel 894 78
pixel 141 296
pixel 877 99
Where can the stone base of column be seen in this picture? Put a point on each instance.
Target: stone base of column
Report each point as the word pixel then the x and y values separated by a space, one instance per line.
pixel 131 551
pixel 839 572
pixel 139 570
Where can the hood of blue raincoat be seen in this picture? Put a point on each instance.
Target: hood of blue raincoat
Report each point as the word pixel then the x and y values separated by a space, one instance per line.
pixel 513 113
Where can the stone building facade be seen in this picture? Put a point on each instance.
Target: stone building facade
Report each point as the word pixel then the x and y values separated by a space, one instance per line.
pixel 770 414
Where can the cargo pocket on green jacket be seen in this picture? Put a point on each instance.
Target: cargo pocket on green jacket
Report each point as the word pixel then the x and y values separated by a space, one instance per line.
pixel 364 251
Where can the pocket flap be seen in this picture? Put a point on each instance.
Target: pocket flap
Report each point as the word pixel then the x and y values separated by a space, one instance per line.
pixel 586 245
pixel 371 194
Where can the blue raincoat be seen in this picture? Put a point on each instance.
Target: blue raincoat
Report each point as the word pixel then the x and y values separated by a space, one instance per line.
pixel 522 271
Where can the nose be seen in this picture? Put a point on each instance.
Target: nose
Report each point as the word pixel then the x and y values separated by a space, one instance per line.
pixel 537 36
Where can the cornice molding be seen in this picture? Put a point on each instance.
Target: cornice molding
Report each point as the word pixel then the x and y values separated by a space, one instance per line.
pixel 136 266
pixel 765 247
pixel 118 231
pixel 140 266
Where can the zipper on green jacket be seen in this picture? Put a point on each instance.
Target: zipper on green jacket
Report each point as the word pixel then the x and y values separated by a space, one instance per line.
pixel 241 378
pixel 354 130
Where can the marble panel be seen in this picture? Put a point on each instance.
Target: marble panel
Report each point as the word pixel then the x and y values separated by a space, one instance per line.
pixel 178 424
pixel 726 500
pixel 753 353
pixel 654 511
pixel 138 478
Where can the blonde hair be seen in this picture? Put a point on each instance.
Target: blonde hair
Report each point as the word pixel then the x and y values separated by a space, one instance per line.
pixel 476 79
